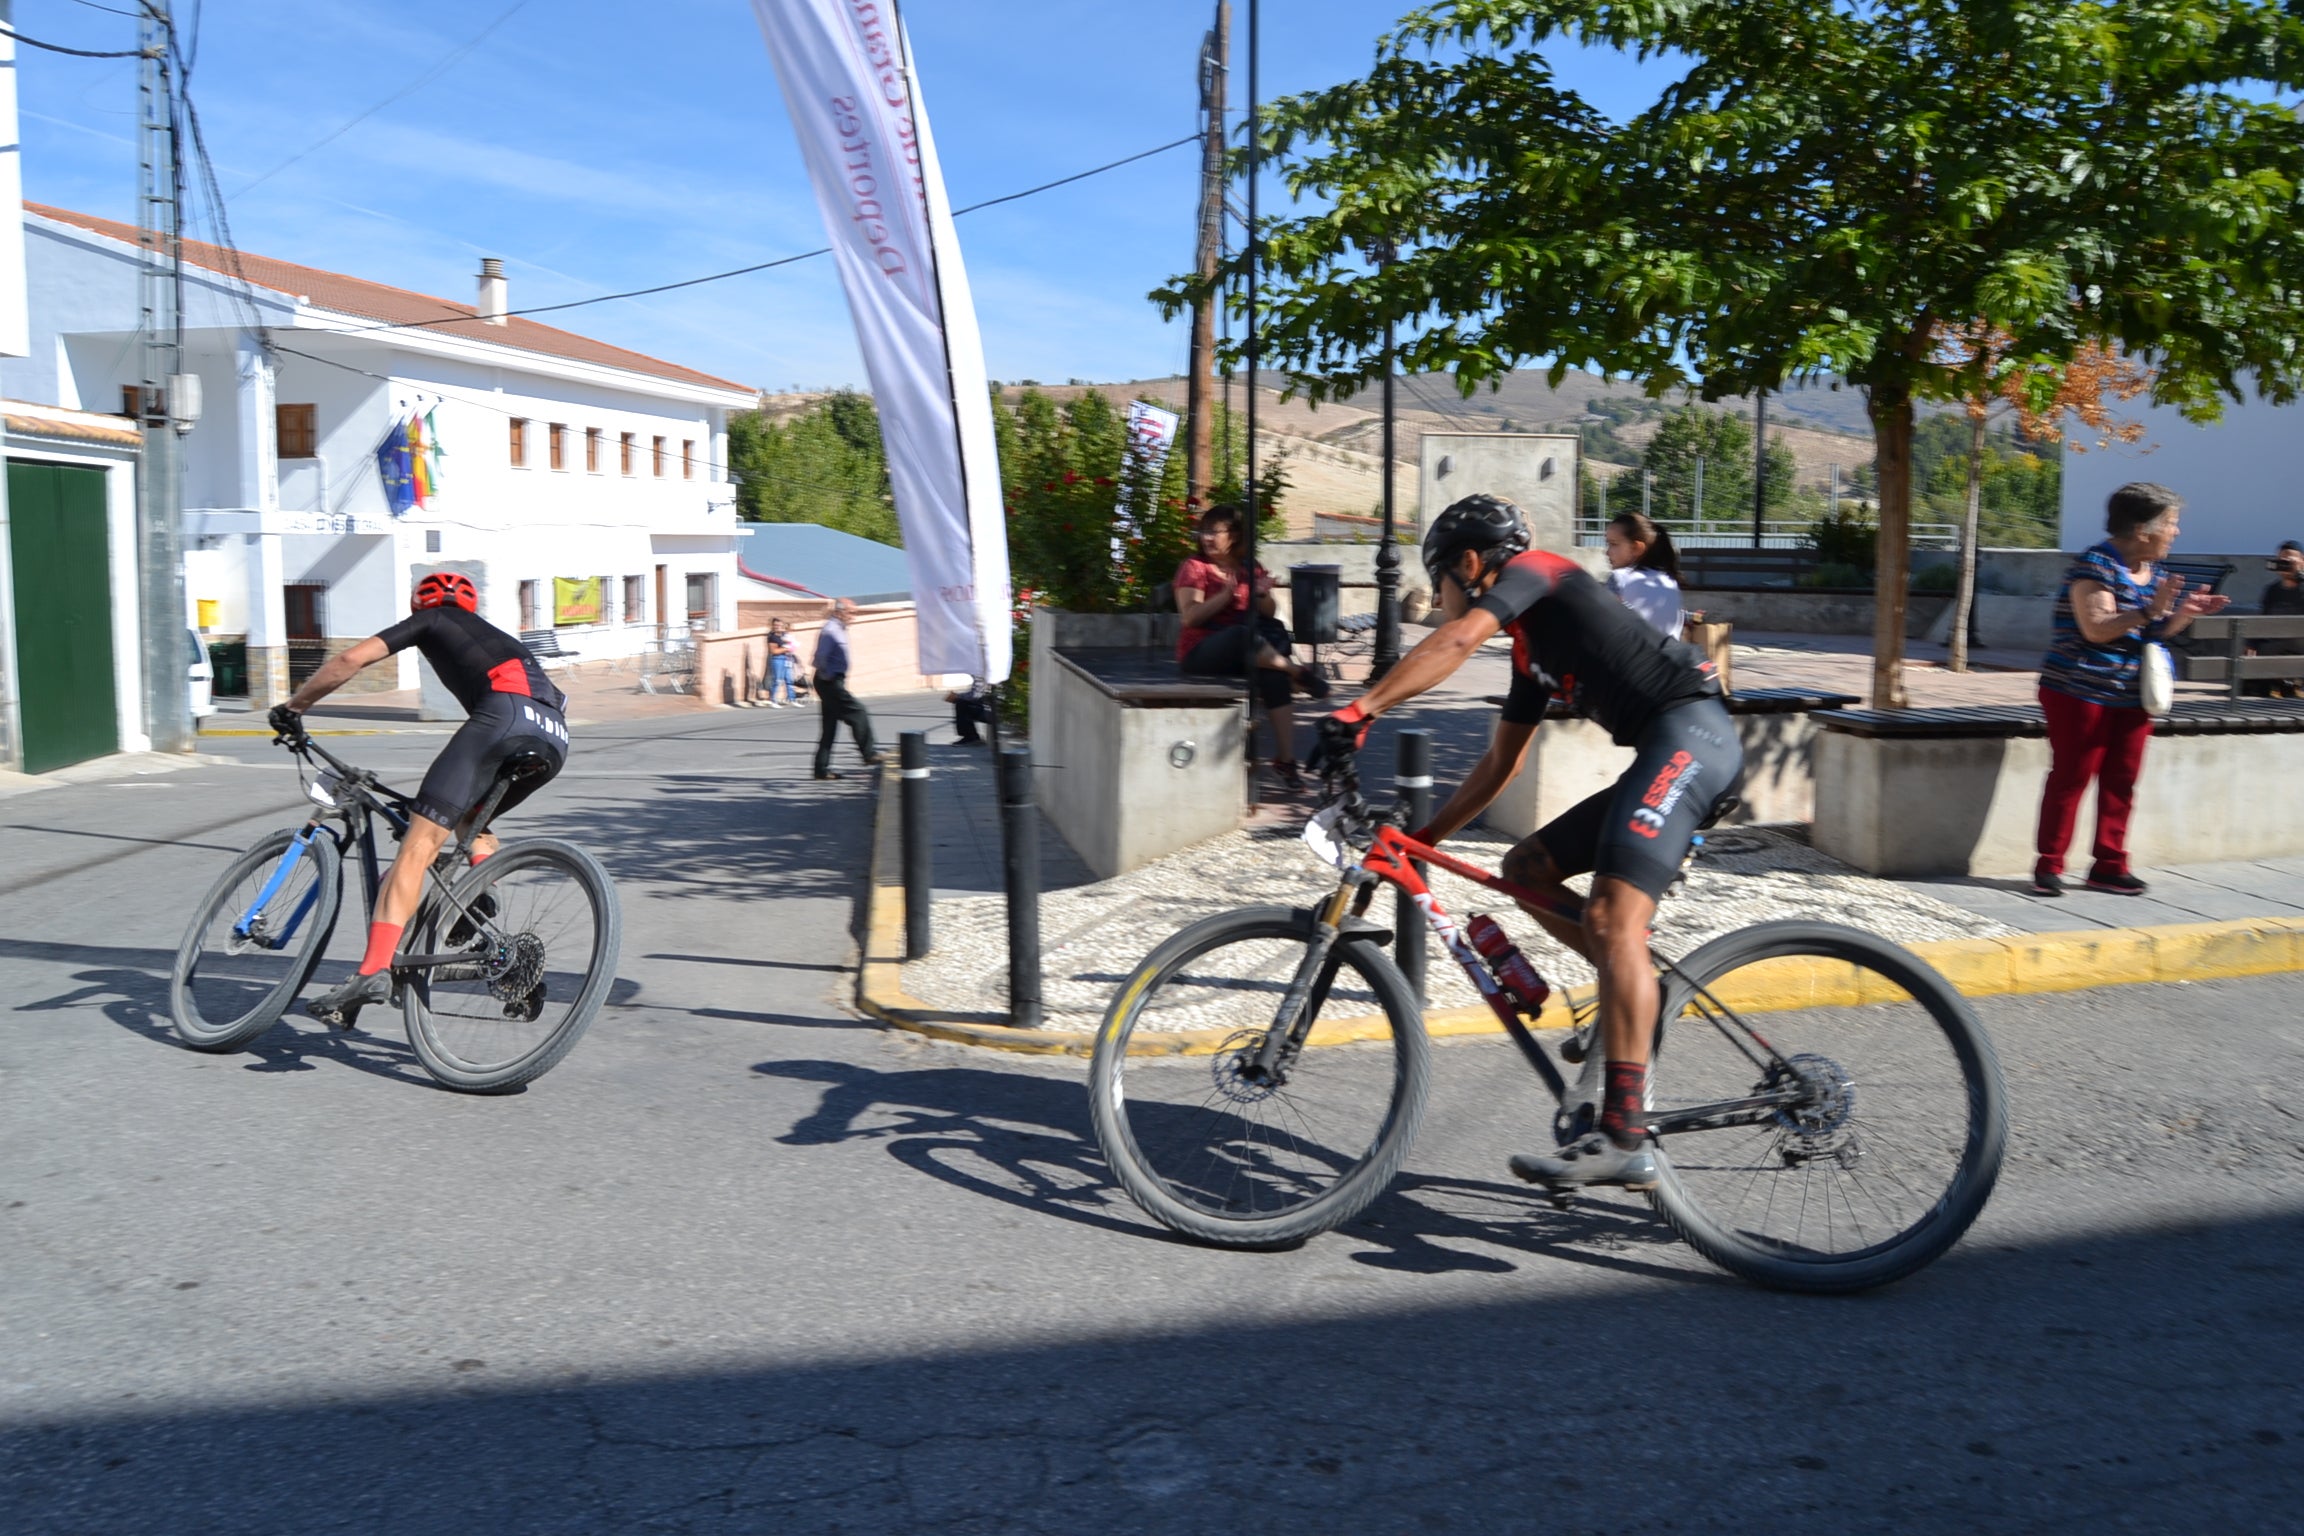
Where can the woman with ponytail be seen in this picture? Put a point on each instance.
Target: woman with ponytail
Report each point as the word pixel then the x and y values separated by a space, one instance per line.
pixel 1644 571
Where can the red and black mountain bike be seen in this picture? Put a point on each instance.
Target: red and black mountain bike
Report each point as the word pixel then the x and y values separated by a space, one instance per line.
pixel 1825 1111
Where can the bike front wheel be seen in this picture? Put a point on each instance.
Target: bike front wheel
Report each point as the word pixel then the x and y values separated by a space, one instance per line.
pixel 536 930
pixel 1206 1141
pixel 255 939
pixel 1890 1119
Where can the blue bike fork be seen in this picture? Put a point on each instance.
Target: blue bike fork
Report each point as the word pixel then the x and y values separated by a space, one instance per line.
pixel 296 849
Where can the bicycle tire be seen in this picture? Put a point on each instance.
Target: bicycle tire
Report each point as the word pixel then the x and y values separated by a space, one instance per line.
pixel 429 1028
pixel 1170 1200
pixel 266 1002
pixel 1901 987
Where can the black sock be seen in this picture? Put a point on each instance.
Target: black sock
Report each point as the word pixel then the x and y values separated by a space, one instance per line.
pixel 1622 1102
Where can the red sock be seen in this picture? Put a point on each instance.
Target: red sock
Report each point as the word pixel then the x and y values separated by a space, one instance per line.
pixel 383 938
pixel 479 858
pixel 1623 1103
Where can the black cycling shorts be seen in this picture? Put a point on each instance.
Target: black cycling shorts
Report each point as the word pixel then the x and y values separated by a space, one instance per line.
pixel 1640 830
pixel 464 772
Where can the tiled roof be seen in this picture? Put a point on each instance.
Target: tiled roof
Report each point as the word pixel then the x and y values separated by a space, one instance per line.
pixel 397 306
pixel 58 424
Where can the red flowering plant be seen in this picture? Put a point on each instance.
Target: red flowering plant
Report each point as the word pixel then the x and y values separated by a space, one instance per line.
pixel 1083 532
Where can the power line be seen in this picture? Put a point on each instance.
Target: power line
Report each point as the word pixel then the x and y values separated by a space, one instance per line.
pixel 447 62
pixel 781 261
pixel 78 53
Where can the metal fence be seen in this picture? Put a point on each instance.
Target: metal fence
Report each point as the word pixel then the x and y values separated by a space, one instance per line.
pixel 1727 534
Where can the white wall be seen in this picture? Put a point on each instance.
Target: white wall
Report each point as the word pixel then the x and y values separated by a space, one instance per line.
pixel 2242 479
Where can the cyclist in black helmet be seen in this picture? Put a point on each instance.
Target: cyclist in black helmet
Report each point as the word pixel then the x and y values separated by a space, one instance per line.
pixel 1572 639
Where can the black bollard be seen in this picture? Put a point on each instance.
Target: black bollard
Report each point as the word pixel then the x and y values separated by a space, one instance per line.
pixel 1020 838
pixel 1413 778
pixel 919 860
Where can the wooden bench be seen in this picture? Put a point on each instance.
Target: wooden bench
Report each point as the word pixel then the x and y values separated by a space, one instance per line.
pixel 2220 650
pixel 544 645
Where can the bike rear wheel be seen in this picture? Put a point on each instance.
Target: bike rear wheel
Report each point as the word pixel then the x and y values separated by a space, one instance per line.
pixel 1895 1143
pixel 1245 1164
pixel 249 951
pixel 541 963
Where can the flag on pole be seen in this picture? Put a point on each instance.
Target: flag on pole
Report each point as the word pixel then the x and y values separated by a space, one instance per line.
pixel 846 70
pixel 396 465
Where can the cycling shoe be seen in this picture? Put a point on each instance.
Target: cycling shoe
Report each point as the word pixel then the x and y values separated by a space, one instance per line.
pixel 1594 1160
pixel 340 1009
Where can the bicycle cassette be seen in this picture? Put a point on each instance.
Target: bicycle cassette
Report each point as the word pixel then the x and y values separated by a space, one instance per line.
pixel 514 967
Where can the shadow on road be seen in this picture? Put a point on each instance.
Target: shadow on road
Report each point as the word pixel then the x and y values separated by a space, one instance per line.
pixel 2138 1381
pixel 1025 1140
pixel 705 837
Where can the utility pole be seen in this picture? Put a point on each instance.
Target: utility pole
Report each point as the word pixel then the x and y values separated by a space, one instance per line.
pixel 1387 552
pixel 1759 465
pixel 1199 388
pixel 1282 749
pixel 167 400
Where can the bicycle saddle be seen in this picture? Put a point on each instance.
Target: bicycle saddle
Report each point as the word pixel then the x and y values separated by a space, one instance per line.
pixel 524 764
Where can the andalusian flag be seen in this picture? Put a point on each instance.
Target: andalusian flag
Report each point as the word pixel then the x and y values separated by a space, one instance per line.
pixel 419 466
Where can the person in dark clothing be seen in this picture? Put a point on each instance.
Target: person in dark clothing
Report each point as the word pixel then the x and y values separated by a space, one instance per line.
pixel 2284 595
pixel 832 695
pixel 511 708
pixel 971 707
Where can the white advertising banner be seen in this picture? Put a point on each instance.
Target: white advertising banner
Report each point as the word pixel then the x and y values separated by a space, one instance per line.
pixel 845 67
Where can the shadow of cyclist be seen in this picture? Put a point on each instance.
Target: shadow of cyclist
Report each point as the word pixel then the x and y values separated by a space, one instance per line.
pixel 1025 1140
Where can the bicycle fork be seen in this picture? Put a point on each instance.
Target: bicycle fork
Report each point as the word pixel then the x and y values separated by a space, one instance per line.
pixel 245 926
pixel 1308 989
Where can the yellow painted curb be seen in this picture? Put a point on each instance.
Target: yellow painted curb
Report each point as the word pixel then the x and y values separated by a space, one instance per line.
pixel 2020 964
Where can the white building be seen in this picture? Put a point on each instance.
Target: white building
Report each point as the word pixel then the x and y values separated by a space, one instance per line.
pixel 2242 479
pixel 563 460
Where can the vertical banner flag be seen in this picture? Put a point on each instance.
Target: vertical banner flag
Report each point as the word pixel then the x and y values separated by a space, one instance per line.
pixel 845 67
pixel 1151 436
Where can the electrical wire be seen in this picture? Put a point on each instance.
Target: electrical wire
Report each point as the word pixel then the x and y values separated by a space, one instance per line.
pixel 447 62
pixel 781 261
pixel 79 53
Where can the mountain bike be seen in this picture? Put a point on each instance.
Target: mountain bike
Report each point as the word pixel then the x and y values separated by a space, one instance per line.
pixel 1825 1111
pixel 500 971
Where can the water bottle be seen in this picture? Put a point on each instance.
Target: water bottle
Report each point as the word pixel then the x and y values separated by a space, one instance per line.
pixel 1513 972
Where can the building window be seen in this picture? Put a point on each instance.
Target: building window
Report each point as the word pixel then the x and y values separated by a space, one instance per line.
pixel 635 600
pixel 296 431
pixel 431 541
pixel 528 599
pixel 556 445
pixel 659 457
pixel 624 450
pixel 700 594
pixel 519 443
pixel 591 450
pixel 687 458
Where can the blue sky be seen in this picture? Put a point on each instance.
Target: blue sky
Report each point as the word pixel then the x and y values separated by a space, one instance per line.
pixel 599 146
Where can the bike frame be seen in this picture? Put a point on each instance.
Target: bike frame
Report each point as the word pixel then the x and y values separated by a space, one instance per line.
pixel 1392 859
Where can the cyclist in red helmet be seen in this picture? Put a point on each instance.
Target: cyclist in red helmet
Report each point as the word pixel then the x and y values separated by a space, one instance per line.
pixel 510 707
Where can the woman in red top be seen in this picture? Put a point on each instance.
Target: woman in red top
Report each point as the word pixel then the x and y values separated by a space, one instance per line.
pixel 1212 597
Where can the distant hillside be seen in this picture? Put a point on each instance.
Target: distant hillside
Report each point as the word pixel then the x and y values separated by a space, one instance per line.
pixel 1332 450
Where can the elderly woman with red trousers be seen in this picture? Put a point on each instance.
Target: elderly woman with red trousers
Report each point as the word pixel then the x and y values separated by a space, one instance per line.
pixel 2116 598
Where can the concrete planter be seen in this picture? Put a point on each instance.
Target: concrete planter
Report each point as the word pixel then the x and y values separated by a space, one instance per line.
pixel 1971 805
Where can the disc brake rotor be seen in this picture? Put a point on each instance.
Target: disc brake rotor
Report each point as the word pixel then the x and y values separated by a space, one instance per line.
pixel 1230 1066
pixel 1821 1125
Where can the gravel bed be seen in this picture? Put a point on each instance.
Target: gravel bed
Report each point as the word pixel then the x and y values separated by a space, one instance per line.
pixel 1093 935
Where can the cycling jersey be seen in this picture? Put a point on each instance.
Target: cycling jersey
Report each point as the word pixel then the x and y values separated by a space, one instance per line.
pixel 473 657
pixel 1571 637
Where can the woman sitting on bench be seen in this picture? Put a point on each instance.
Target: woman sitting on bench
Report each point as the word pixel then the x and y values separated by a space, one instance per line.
pixel 1213 599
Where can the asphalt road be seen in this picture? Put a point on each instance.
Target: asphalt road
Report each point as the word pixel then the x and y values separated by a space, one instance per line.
pixel 743 1263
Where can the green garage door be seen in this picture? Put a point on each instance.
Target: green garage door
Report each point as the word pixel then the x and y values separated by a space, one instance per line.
pixel 63 586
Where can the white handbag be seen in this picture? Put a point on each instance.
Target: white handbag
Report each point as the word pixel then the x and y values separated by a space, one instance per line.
pixel 2156 679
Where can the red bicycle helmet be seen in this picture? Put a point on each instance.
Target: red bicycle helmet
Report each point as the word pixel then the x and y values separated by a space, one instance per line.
pixel 444 587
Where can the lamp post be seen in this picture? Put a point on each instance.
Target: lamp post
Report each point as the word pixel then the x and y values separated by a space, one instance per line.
pixel 1388 551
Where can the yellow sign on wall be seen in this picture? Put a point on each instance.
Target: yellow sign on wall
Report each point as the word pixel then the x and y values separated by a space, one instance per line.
pixel 575 600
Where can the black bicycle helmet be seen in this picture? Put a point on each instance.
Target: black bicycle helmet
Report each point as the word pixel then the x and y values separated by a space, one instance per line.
pixel 1489 524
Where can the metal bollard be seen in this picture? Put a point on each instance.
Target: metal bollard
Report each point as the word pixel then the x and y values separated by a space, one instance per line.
pixel 1412 776
pixel 919 854
pixel 1020 839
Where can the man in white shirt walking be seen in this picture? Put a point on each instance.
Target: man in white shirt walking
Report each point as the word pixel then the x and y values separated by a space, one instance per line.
pixel 832 695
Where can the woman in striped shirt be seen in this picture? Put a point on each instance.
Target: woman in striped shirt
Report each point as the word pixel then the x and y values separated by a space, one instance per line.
pixel 2115 598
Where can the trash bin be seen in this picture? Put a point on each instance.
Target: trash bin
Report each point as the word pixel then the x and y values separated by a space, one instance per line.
pixel 228 659
pixel 1316 601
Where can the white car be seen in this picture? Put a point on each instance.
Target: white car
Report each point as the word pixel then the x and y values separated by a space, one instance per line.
pixel 203 679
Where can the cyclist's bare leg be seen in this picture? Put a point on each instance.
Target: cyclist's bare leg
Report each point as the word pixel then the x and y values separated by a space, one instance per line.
pixel 1531 866
pixel 404 886
pixel 396 902
pixel 1613 936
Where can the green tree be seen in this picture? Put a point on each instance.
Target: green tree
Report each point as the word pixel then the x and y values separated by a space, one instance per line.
pixel 1822 189
pixel 825 465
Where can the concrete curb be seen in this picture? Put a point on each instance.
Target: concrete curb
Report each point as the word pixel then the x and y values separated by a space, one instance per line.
pixel 2019 965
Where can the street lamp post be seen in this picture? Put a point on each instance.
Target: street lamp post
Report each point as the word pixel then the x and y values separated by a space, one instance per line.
pixel 1388 551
